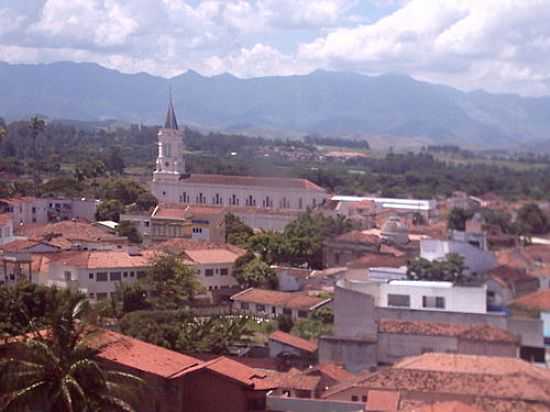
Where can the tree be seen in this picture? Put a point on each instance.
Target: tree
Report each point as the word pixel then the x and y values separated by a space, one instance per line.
pixel 457 219
pixel 57 372
pixel 128 229
pixel 133 297
pixel 450 269
pixel 236 232
pixel 285 323
pixel 251 271
pixel 532 220
pixel 115 162
pixel 146 201
pixel 311 328
pixel 171 283
pixel 325 314
pixel 109 210
pixel 37 127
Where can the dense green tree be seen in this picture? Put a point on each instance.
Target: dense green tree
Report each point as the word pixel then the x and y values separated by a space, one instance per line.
pixel 457 219
pixel 450 269
pixel 110 209
pixel 325 314
pixel 59 373
pixel 285 323
pixel 171 283
pixel 532 220
pixel 133 297
pixel 311 328
pixel 236 232
pixel 252 271
pixel 146 201
pixel 114 162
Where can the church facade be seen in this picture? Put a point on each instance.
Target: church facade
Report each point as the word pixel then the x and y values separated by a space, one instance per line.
pixel 172 183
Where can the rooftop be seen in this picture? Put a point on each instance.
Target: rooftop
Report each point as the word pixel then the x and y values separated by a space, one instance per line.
pixel 537 301
pixel 294 379
pixel 263 182
pixel 378 260
pixel 294 341
pixel 480 333
pixel 508 276
pixel 70 230
pixel 104 259
pixel 358 236
pixel 452 406
pixel 184 212
pixel 291 300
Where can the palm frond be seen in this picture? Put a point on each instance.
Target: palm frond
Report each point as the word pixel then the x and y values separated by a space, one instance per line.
pixel 25 397
pixel 124 377
pixel 115 404
pixel 65 394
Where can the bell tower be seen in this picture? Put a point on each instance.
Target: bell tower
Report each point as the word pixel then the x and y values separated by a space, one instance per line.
pixel 170 163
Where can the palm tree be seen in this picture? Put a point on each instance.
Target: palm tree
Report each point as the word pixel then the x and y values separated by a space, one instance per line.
pixel 56 371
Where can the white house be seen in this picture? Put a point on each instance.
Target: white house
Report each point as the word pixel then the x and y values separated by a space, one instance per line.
pixel 33 210
pixel 475 259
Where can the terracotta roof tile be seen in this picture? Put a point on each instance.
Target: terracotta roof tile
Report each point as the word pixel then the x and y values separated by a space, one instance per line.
pixel 71 230
pixel 383 401
pixel 509 276
pixel 294 379
pixel 473 364
pixel 538 301
pixel 20 245
pixel 372 260
pixel 105 259
pixel 264 182
pixel 452 406
pixel 335 372
pixel 480 333
pixel 291 300
pixel 294 341
pixel 142 356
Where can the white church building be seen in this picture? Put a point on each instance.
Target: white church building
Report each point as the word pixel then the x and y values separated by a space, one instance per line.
pixel 172 184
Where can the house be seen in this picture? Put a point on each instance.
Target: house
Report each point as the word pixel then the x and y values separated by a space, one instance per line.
pixel 401 338
pixel 213 262
pixel 481 381
pixel 32 210
pixel 425 208
pixel 295 383
pixel 270 303
pixel 292 348
pixel 291 279
pixel 97 274
pixel 536 304
pixel 476 260
pixel 73 235
pixel 176 382
pixel 505 283
pixel 347 247
pixel 6 229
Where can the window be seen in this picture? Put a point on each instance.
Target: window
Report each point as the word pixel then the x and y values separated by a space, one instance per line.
pixel 399 300
pixel 355 398
pixel 302 314
pixel 244 305
pixel 274 310
pixel 91 295
pixel 437 302
pixel 260 308
pixel 125 274
pixel 146 224
pixel 209 272
pixel 67 276
pixel 224 271
pixel 90 275
pixel 115 276
pixel 33 210
pixel 101 277
pixel 140 274
pixel 300 203
pixel 287 312
pixel 132 274
pixel 363 398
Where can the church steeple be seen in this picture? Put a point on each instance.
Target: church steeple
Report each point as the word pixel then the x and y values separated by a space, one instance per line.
pixel 171 121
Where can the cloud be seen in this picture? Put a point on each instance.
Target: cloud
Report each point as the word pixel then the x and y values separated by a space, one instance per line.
pixel 499 44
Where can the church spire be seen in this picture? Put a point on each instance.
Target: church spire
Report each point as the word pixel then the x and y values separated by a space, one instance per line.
pixel 171 122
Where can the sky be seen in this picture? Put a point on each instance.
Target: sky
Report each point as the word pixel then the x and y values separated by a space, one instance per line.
pixel 497 45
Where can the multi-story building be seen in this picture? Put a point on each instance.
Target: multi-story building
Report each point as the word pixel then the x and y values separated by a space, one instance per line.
pixel 172 183
pixel 33 210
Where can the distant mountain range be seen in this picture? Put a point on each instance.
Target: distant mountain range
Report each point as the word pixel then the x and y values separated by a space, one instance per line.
pixel 327 103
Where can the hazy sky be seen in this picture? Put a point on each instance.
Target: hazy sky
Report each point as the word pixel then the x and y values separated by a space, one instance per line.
pixel 498 45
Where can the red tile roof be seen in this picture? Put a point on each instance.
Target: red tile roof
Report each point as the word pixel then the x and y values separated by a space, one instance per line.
pixel 294 379
pixel 104 259
pixel 21 245
pixel 472 364
pixel 373 260
pixel 294 341
pixel 70 230
pixel 291 300
pixel 185 212
pixel 537 301
pixel 263 182
pixel 142 356
pixel 479 333
pixel 335 372
pixel 380 400
pixel 452 406
pixel 357 236
pixel 201 252
pixel 509 276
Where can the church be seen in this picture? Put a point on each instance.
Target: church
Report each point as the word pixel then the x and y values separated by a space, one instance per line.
pixel 172 183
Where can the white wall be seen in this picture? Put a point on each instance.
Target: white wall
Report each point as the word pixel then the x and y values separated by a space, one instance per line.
pixel 475 259
pixel 6 232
